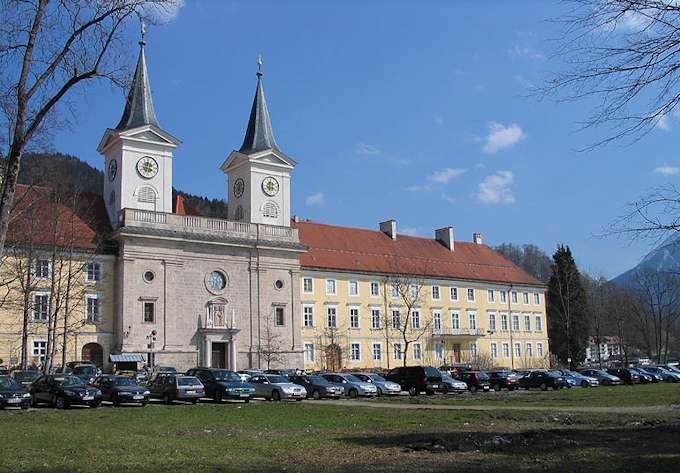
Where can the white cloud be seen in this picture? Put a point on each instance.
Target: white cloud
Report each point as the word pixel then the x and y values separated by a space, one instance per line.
pixel 525 52
pixel 524 82
pixel 368 150
pixel 663 123
pixel 497 188
pixel 162 12
pixel 315 199
pixel 444 176
pixel 410 231
pixel 449 199
pixel 501 136
pixel 667 170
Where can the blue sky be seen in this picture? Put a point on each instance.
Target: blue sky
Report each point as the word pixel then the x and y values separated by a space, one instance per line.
pixel 413 110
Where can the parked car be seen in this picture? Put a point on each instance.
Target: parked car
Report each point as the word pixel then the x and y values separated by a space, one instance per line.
pixel 416 379
pixel 73 364
pixel 121 390
pixel 656 377
pixel 384 387
pixel 174 387
pixel 476 380
pixel 223 384
pixel 13 394
pixel 25 377
pixel 602 376
pixel 504 379
pixel 4 371
pixel 543 379
pixel 275 387
pixel 62 391
pixel 247 374
pixel 352 386
pixel 575 378
pixel 645 378
pixel 87 372
pixel 284 372
pixel 626 375
pixel 318 387
pixel 157 371
pixel 666 375
pixel 452 385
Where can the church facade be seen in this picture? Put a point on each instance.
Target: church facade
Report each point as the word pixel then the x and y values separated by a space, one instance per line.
pixel 262 289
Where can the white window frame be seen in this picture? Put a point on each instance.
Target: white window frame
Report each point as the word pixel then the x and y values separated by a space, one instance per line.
pixel 415 317
pixel 375 318
pixel 490 296
pixel 529 350
pixel 538 322
pixel 472 320
pixel 437 320
pixel 334 283
pixel 350 283
pixel 436 293
pixel 308 315
pixel 455 320
pixel 396 312
pixel 35 269
pixel 527 322
pixel 453 294
pixel 525 298
pixel 354 316
pixel 505 323
pixel 471 291
pixel 537 298
pixel 539 350
pixel 515 322
pixel 439 349
pixel 39 349
pixel 513 297
pixel 309 352
pixel 506 350
pixel 34 306
pixel 494 350
pixel 415 291
pixel 355 356
pixel 397 352
pixel 374 285
pixel 417 351
pixel 334 315
pixel 492 321
pixel 517 350
pixel 97 271
pixel 376 351
pixel 97 297
pixel 474 349
pixel 311 285
pixel 394 290
pixel 502 297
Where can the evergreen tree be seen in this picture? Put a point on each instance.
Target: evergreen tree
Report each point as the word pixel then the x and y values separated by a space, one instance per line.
pixel 568 312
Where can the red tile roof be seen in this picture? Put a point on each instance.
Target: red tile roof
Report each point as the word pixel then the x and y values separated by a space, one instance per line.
pixel 360 250
pixel 38 218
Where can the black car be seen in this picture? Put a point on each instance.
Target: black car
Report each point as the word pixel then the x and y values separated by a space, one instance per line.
pixel 416 379
pixel 626 375
pixel 475 380
pixel 318 387
pixel 503 380
pixel 25 377
pixel 62 391
pixel 223 384
pixel 174 387
pixel 542 379
pixel 121 390
pixel 87 372
pixel 13 394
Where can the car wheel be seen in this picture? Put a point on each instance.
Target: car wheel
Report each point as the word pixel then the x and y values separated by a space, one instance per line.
pixel 585 384
pixel 276 396
pixel 543 387
pixel 412 391
pixel 497 387
pixel 218 396
pixel 24 407
pixel 166 398
pixel 144 403
pixel 94 405
pixel 246 401
pixel 60 403
pixel 473 389
pixel 116 401
pixel 555 388
pixel 511 389
pixel 429 392
pixel 316 394
pixel 194 401
pixel 34 401
pixel 353 393
pixel 380 393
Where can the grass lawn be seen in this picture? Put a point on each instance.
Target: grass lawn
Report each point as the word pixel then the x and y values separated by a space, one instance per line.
pixel 317 436
pixel 662 394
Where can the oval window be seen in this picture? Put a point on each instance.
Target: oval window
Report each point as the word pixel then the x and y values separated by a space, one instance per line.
pixel 217 281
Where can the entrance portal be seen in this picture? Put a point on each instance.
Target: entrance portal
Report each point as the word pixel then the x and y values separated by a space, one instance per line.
pixel 333 357
pixel 93 352
pixel 219 355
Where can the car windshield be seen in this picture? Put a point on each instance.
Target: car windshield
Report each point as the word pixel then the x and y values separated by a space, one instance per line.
pixel 26 375
pixel 483 376
pixel 69 381
pixel 167 369
pixel 6 383
pixel 554 374
pixel 351 378
pixel 446 377
pixel 277 379
pixel 88 369
pixel 377 378
pixel 123 381
pixel 317 380
pixel 226 375
pixel 430 371
pixel 188 381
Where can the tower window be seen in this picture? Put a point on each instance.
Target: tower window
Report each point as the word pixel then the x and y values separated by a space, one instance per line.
pixel 238 215
pixel 269 209
pixel 146 194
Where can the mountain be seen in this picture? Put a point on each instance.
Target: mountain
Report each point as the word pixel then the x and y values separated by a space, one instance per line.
pixel 52 169
pixel 663 258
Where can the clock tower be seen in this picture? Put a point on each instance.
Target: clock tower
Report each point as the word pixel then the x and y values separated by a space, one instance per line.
pixel 258 174
pixel 138 153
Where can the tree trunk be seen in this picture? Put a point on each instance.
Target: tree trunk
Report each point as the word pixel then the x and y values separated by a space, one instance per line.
pixel 9 188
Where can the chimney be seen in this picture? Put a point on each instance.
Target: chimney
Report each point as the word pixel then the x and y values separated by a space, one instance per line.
pixel 477 238
pixel 389 228
pixel 445 237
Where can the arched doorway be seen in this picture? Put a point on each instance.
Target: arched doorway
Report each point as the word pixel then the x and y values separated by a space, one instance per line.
pixel 93 352
pixel 333 357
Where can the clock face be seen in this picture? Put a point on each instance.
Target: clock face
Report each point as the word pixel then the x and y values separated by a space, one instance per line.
pixel 113 169
pixel 147 167
pixel 239 187
pixel 270 186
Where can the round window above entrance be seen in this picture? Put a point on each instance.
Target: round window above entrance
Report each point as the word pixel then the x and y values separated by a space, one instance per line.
pixel 148 276
pixel 216 281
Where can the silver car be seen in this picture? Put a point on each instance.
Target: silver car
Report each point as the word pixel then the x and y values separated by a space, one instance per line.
pixel 384 387
pixel 275 387
pixel 353 386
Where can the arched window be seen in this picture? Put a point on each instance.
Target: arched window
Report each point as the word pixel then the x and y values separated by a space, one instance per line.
pixel 146 194
pixel 269 209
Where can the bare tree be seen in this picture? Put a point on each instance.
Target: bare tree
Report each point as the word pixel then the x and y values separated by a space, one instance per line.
pixel 332 344
pixel 271 347
pixel 624 54
pixel 47 49
pixel 412 324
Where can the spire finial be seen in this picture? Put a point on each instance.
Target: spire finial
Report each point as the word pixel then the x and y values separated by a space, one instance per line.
pixel 259 65
pixel 142 32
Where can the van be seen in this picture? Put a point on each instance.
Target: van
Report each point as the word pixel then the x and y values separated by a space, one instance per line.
pixel 416 379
